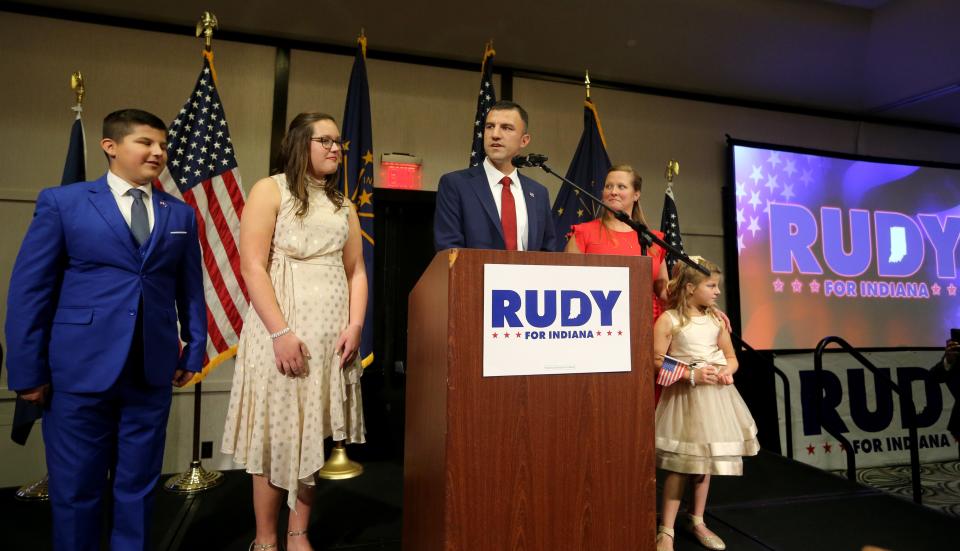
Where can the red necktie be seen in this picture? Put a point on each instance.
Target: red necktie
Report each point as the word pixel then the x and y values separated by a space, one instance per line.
pixel 508 215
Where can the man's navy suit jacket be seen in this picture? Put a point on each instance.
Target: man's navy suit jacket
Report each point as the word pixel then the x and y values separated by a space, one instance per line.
pixel 466 214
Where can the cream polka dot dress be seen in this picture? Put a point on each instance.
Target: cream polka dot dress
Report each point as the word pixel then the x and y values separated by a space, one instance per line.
pixel 275 424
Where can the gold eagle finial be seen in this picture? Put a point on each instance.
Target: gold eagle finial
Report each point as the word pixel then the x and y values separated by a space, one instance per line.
pixel 673 170
pixel 76 84
pixel 206 25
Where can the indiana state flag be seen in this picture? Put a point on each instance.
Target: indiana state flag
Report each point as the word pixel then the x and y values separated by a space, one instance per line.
pixel 358 176
pixel 588 170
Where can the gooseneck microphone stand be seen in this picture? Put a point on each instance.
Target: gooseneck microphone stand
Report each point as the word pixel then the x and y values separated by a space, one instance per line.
pixel 644 235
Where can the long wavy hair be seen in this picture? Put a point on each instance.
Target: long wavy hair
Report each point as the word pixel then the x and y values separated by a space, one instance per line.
pixel 294 162
pixel 677 295
pixel 636 214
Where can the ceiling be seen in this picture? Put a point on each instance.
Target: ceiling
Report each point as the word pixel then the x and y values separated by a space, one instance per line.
pixel 890 59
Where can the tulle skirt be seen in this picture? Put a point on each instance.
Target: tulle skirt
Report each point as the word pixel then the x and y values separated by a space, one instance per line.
pixel 706 429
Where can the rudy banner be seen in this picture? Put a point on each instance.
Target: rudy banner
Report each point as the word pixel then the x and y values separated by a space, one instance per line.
pixel 865 410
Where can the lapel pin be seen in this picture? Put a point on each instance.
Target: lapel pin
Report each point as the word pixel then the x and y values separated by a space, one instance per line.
pixel 163 203
pixel 531 195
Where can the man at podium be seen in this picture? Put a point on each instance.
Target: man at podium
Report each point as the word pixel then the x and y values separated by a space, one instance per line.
pixel 492 205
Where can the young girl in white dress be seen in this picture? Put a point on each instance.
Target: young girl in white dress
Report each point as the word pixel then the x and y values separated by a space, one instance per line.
pixel 703 427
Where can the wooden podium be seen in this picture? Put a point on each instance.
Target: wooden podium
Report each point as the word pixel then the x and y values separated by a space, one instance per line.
pixel 539 463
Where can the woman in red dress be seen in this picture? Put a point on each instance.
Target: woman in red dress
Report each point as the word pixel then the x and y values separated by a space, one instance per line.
pixel 607 235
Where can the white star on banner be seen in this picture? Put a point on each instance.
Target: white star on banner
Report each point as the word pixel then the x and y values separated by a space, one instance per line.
pixel 787 192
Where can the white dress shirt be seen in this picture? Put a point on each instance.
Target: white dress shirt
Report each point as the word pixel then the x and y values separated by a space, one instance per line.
pixel 119 188
pixel 493 179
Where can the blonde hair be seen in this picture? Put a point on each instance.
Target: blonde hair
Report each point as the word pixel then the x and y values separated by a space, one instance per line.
pixel 636 213
pixel 677 295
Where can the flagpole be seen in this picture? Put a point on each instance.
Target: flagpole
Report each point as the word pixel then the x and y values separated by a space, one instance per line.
pixel 196 479
pixel 39 489
pixel 339 466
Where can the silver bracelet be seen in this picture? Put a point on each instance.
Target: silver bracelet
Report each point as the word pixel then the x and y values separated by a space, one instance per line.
pixel 280 333
pixel 693 381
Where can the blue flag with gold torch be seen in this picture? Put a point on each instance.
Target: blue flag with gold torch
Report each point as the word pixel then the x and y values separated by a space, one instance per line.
pixel 358 176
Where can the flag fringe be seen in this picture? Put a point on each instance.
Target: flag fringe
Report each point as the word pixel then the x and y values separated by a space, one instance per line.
pixel 362 41
pixel 209 56
pixel 596 116
pixel 213 364
pixel 488 52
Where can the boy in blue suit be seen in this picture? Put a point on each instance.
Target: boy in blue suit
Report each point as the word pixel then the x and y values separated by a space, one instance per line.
pixel 492 205
pixel 104 273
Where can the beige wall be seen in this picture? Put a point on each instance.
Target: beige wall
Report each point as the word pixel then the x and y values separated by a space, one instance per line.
pixel 122 68
pixel 426 111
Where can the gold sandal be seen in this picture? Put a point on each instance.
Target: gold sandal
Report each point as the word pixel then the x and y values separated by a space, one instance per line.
pixel 710 542
pixel 662 533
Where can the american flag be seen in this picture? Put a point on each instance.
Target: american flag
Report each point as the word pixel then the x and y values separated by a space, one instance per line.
pixel 670 371
pixel 488 96
pixel 670 226
pixel 202 170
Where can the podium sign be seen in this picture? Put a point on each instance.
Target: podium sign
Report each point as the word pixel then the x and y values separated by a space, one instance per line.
pixel 550 320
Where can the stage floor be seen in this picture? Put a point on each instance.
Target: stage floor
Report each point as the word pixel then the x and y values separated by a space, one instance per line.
pixel 777 504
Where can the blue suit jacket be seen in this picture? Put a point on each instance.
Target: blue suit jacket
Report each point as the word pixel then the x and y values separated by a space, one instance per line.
pixel 466 215
pixel 77 286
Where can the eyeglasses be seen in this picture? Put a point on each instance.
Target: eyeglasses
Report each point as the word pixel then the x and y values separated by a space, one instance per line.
pixel 327 143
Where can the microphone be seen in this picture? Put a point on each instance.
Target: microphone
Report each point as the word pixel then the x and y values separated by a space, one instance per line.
pixel 531 160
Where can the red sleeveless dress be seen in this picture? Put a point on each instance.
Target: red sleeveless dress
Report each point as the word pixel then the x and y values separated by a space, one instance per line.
pixel 594 238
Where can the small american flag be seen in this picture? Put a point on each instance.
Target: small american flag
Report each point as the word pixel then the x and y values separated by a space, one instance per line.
pixel 486 99
pixel 202 170
pixel 670 371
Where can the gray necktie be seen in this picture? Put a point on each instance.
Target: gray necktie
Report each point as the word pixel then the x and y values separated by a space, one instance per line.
pixel 139 224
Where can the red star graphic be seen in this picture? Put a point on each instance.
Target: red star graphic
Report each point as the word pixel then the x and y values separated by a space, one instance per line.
pixel 826 447
pixel 599 333
pixel 506 335
pixel 518 334
pixel 843 447
pixel 935 289
pixel 815 286
pixel 494 335
pixel 619 332
pixel 810 449
pixel 609 333
pixel 952 290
